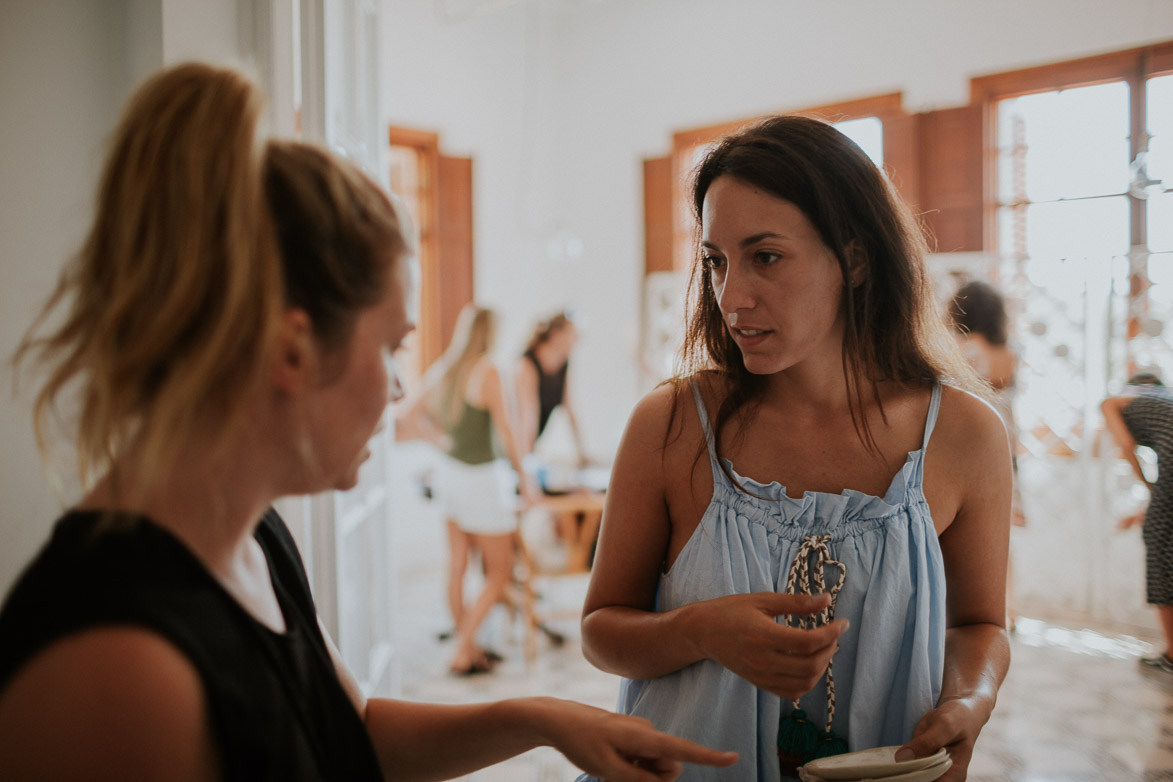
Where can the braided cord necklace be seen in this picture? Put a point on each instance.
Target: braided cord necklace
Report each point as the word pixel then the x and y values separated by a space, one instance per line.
pixel 799 741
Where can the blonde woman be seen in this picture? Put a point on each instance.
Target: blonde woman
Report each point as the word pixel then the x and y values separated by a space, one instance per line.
pixel 227 331
pixel 477 487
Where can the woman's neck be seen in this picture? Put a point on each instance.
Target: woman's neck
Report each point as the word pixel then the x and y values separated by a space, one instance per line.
pixel 211 504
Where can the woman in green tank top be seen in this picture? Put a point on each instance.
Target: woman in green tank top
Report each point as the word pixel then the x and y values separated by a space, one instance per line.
pixel 463 397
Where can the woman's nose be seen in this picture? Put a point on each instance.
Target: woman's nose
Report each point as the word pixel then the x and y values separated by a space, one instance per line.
pixel 735 292
pixel 395 390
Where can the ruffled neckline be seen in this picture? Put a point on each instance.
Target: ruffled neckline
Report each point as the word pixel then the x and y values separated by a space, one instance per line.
pixel 847 505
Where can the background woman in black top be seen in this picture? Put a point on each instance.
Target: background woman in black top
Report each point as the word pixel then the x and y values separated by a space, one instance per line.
pixel 228 330
pixel 540 379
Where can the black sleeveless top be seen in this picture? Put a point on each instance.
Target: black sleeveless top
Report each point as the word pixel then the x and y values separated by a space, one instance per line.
pixel 276 706
pixel 551 390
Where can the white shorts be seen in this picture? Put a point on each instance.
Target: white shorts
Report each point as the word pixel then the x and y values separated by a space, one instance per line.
pixel 480 498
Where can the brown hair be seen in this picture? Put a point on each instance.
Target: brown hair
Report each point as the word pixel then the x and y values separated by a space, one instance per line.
pixel 978 308
pixel 337 231
pixel 892 329
pixel 546 328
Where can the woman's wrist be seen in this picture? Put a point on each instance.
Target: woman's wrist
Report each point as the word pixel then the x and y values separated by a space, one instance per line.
pixel 535 718
pixel 686 626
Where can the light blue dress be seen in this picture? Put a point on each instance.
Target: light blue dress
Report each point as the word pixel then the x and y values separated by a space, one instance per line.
pixel 889 665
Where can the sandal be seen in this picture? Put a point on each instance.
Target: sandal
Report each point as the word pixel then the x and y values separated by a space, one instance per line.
pixel 474 668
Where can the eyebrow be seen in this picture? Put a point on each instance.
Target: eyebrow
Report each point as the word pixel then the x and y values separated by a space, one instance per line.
pixel 752 240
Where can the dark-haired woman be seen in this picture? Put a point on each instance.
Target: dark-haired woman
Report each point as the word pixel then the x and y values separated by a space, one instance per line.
pixel 541 382
pixel 978 314
pixel 823 440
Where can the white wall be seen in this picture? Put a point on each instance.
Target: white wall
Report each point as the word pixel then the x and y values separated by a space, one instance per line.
pixel 62 79
pixel 560 146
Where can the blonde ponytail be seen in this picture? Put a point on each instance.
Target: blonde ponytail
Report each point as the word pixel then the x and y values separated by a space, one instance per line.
pixel 176 293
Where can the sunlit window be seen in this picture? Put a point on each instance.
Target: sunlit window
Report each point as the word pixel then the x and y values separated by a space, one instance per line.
pixel 868 133
pixel 1159 94
pixel 1091 306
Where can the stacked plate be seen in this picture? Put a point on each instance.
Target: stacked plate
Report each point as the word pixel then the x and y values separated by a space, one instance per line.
pixel 875 765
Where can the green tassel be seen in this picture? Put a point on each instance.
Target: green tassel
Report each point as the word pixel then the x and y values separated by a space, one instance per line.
pixel 829 744
pixel 797 736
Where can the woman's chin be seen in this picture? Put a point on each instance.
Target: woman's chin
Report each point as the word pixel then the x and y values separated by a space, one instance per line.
pixel 350 479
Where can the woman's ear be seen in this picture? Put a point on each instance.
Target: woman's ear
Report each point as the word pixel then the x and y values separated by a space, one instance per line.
pixel 857 263
pixel 295 356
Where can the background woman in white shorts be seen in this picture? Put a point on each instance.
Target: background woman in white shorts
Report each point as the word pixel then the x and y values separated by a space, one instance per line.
pixel 477 485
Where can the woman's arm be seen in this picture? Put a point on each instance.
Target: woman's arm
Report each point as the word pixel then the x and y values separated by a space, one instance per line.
pixel 973 448
pixel 422 741
pixel 414 421
pixel 114 704
pixel 1113 410
pixel 525 389
pixel 572 418
pixel 622 632
pixel 490 393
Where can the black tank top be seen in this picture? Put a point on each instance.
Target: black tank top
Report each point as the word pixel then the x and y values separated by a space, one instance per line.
pixel 276 706
pixel 551 390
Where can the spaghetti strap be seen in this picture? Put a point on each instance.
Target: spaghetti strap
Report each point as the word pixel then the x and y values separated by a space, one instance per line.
pixel 931 418
pixel 706 426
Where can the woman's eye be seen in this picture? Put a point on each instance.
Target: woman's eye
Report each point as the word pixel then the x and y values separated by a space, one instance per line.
pixel 767 258
pixel 713 261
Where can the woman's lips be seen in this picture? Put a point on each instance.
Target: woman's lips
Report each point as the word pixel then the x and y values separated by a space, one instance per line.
pixel 748 337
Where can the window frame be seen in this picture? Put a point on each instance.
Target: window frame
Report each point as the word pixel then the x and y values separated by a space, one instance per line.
pixel 1132 66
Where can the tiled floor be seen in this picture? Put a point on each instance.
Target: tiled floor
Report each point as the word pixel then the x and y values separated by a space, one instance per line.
pixel 1077 706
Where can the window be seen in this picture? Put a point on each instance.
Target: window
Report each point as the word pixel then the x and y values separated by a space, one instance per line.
pixel 1081 223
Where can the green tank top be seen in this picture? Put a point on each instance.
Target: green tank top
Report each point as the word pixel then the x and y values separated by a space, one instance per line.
pixel 472 436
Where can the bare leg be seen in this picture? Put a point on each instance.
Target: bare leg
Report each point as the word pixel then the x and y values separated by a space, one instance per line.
pixel 497 554
pixel 1165 614
pixel 588 532
pixel 459 547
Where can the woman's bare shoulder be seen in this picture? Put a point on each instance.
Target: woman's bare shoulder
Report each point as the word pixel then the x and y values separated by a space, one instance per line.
pixel 968 425
pixel 124 700
pixel 669 411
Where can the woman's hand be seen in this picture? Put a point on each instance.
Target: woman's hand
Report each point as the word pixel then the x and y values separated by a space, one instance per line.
pixel 527 487
pixel 740 633
pixel 619 748
pixel 954 725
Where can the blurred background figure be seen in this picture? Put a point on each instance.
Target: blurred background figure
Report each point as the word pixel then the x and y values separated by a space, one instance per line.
pixel 978 314
pixel 542 387
pixel 461 407
pixel 541 382
pixel 1142 415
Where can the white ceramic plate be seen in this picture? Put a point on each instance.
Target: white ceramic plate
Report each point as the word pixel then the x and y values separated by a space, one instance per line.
pixel 879 763
pixel 927 774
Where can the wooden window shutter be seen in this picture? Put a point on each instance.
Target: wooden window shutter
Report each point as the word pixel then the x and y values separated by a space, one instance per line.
pixel 951 165
pixel 658 214
pixel 454 243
